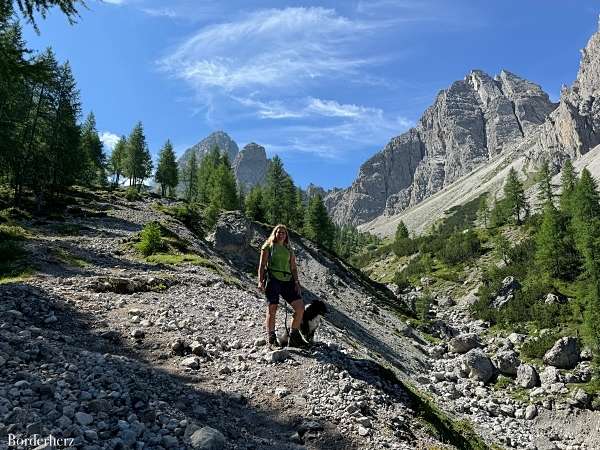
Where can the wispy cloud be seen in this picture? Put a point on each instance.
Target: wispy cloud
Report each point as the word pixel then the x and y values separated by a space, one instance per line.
pixel 109 139
pixel 161 12
pixel 269 48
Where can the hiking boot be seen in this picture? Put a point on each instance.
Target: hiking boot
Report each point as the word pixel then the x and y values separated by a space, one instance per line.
pixel 272 338
pixel 296 339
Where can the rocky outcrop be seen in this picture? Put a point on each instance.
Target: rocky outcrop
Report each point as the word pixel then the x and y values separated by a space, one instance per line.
pixel 250 166
pixel 471 122
pixel 574 127
pixel 219 139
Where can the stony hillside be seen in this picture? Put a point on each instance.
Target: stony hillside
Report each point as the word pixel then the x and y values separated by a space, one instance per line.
pixel 470 123
pixel 115 351
pixel 570 131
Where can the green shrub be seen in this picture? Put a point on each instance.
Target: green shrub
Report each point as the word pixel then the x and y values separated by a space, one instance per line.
pixel 419 266
pixel 132 195
pixel 422 307
pixel 536 348
pixel 401 280
pixel 460 247
pixel 151 239
pixel 405 247
pixel 12 232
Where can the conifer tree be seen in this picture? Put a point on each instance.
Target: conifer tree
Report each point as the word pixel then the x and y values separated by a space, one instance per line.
pixel 545 191
pixel 224 189
pixel 116 163
pixel 254 206
pixel 166 171
pixel 189 176
pixel 318 226
pixel 514 195
pixel 275 191
pixel 586 221
pixel 93 151
pixel 138 162
pixel 550 252
pixel 206 175
pixel 568 181
pixel 401 231
pixel 483 211
pixel 297 221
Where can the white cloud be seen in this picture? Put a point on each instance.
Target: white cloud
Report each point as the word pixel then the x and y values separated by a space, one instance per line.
pixel 160 12
pixel 269 48
pixel 109 139
pixel 114 2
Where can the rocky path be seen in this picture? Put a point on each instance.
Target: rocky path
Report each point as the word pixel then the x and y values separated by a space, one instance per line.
pixel 112 352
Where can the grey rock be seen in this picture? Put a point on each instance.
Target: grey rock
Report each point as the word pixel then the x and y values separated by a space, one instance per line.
pixel 219 139
pixel 507 362
pixel 549 376
pixel 278 356
pixel 193 362
pixel 480 365
pixel 138 334
pixel 250 166
pixel 471 122
pixel 207 438
pixel 463 343
pixel 527 376
pixel 581 398
pixel 83 418
pixel 564 354
pixel 531 412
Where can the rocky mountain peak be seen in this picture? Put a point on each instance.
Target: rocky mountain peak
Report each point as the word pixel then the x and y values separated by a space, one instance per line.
pixel 587 83
pixel 472 121
pixel 250 166
pixel 217 138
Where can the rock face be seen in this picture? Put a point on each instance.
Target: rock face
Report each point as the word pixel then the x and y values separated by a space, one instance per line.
pixel 470 122
pixel 564 354
pixel 574 127
pixel 219 139
pixel 250 166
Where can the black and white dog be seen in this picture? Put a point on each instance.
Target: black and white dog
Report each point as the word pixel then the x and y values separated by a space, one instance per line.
pixel 313 313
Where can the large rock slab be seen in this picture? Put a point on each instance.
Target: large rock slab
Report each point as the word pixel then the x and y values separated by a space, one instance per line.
pixel 527 376
pixel 480 366
pixel 564 354
pixel 463 343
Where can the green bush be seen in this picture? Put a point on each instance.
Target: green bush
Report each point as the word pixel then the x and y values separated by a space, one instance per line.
pixel 536 348
pixel 405 247
pixel 419 266
pixel 11 232
pixel 422 307
pixel 460 247
pixel 132 195
pixel 151 239
pixel 401 280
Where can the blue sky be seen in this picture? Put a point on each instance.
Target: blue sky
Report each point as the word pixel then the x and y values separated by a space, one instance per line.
pixel 323 84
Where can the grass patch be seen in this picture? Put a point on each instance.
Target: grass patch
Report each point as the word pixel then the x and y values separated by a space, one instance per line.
pixel 69 259
pixel 502 382
pixel 175 259
pixel 18 275
pixel 12 233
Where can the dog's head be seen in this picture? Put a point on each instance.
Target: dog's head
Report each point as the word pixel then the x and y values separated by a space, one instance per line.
pixel 318 307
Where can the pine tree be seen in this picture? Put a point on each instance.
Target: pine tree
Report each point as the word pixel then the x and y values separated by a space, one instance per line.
pixel 206 175
pixel 254 206
pixel 550 251
pixel 586 221
pixel 138 162
pixel 299 210
pixel 483 211
pixel 318 225
pixel 514 195
pixel 29 8
pixel 401 231
pixel 116 163
pixel 224 188
pixel 545 190
pixel 92 148
pixel 275 192
pixel 189 176
pixel 166 171
pixel 568 181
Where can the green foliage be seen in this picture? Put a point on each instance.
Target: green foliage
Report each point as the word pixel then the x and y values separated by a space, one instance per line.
pixel 166 171
pixel 132 195
pixel 483 210
pixel 536 347
pixel 92 150
pixel 514 194
pixel 401 231
pixel 188 214
pixel 423 306
pixel 12 232
pixel 568 181
pixel 255 205
pixel 138 162
pixel 116 163
pixel 317 225
pixel 401 280
pixel 405 247
pixel 277 193
pixel 151 239
pixel 349 242
pixel 545 188
pixel 189 177
pixel 460 247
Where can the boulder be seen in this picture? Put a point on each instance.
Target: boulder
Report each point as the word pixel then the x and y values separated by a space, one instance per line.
pixel 463 343
pixel 507 362
pixel 480 365
pixel 564 354
pixel 207 438
pixel 549 376
pixel 527 376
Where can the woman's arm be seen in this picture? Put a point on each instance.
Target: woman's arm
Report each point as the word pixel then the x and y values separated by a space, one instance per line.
pixel 261 268
pixel 294 269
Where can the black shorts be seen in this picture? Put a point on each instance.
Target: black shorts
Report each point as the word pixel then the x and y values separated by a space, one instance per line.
pixel 275 288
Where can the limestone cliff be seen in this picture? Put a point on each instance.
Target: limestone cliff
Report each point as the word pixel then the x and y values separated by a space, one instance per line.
pixel 471 122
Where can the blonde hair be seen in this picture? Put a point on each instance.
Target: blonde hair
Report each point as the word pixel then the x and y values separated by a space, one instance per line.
pixel 273 237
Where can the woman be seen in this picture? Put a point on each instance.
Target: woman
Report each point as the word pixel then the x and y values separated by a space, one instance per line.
pixel 278 270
